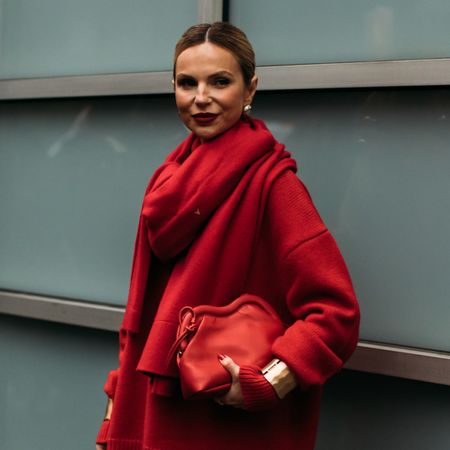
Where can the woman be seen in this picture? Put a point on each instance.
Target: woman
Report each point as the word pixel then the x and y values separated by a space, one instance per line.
pixel 224 215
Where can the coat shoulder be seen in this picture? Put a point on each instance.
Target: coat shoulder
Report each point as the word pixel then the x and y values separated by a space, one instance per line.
pixel 291 213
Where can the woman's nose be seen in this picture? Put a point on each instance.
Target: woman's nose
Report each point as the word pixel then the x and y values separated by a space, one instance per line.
pixel 202 95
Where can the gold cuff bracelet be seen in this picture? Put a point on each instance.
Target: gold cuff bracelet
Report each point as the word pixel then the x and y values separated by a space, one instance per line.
pixel 278 374
pixel 109 407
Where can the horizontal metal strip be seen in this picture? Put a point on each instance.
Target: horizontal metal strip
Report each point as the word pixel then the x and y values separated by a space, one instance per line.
pixel 416 72
pixel 379 358
pixel 87 85
pixel 403 362
pixel 420 72
pixel 72 312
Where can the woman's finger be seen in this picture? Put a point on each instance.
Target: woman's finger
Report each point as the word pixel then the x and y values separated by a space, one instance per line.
pixel 230 365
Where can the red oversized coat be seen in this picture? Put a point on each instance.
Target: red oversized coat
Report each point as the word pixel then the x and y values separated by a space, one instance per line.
pixel 298 268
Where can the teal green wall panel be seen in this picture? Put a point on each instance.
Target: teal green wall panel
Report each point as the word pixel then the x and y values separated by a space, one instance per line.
pixel 51 382
pixel 372 412
pixel 302 31
pixel 60 37
pixel 51 396
pixel 72 175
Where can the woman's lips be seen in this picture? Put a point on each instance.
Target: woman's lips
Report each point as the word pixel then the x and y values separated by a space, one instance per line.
pixel 204 118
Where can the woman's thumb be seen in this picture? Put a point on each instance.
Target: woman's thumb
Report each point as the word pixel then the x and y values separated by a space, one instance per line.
pixel 230 365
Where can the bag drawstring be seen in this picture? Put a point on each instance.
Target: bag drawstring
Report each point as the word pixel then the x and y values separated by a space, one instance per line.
pixel 188 331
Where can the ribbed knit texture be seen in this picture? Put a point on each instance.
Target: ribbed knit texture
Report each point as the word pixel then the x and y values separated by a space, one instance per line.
pixel 258 393
pixel 102 432
pixel 123 444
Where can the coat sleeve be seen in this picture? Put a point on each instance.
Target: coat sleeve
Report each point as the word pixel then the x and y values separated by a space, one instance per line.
pixel 111 380
pixel 110 386
pixel 316 287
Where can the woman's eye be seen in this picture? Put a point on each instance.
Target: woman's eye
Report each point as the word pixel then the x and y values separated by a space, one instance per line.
pixel 186 82
pixel 222 82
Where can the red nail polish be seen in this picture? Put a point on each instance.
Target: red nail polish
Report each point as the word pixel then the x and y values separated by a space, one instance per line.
pixel 220 357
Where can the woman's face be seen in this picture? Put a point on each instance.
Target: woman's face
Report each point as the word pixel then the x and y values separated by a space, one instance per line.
pixel 209 89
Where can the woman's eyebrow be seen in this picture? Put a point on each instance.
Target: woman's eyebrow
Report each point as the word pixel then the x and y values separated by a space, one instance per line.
pixel 215 74
pixel 221 73
pixel 181 75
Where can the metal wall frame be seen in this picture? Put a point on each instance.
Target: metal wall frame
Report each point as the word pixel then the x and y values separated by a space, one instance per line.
pixel 420 72
pixel 373 357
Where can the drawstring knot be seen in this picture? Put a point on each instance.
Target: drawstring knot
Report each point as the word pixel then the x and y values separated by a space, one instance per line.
pixel 189 327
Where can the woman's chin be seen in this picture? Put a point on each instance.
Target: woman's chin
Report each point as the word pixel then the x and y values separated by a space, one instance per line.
pixel 209 133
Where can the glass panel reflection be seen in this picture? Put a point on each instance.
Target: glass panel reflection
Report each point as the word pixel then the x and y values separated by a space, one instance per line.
pixel 302 31
pixel 53 38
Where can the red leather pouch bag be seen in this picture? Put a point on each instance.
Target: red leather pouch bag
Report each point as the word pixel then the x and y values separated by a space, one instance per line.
pixel 244 330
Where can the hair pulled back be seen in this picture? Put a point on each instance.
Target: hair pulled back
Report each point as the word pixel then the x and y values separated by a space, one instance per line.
pixel 224 35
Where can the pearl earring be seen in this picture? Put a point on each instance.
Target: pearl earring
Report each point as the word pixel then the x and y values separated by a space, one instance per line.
pixel 247 108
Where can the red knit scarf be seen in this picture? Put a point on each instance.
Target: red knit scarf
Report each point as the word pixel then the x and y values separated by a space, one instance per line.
pixel 203 206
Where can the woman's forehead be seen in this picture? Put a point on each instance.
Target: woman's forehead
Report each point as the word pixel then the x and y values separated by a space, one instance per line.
pixel 206 57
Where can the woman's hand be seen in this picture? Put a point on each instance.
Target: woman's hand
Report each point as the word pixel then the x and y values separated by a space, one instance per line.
pixel 234 396
pixel 249 390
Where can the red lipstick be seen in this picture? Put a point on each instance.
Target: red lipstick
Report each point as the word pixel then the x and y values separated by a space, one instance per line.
pixel 204 118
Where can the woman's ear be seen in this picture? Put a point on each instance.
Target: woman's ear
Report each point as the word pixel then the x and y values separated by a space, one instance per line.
pixel 173 84
pixel 251 90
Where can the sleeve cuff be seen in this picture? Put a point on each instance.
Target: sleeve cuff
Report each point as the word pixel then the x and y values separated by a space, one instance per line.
pixel 102 432
pixel 257 392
